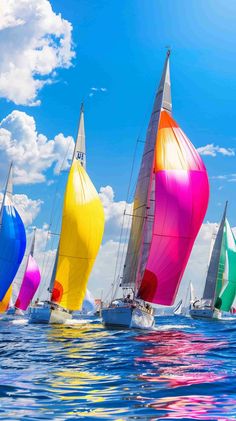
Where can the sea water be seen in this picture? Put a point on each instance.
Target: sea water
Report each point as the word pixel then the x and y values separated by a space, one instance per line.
pixel 181 370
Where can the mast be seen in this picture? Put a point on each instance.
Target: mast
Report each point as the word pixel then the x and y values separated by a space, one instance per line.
pixel 144 202
pixel 80 155
pixel 8 190
pixel 80 150
pixel 213 268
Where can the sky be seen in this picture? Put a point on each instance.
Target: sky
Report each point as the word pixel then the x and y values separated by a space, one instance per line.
pixel 110 54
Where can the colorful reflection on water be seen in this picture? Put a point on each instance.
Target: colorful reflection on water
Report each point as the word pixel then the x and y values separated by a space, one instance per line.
pixel 182 370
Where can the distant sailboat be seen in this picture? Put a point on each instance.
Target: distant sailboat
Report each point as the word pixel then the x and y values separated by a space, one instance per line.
pixel 169 206
pixel 30 282
pixel 178 308
pixel 12 239
pixel 80 240
pixel 220 287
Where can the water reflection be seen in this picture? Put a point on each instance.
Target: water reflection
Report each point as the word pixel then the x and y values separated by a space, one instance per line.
pixel 86 393
pixel 195 407
pixel 179 359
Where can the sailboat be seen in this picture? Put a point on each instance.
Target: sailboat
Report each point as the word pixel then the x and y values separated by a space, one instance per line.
pixel 30 282
pixel 170 203
pixel 80 240
pixel 12 238
pixel 220 287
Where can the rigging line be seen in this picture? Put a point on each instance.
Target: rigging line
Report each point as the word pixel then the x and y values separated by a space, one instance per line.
pixel 122 225
pixel 128 192
pixel 54 204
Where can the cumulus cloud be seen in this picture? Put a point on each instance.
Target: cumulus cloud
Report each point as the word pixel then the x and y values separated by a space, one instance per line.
pixel 27 208
pixel 196 269
pixel 32 153
pixel 34 42
pixel 212 150
pixel 117 214
pixel 103 272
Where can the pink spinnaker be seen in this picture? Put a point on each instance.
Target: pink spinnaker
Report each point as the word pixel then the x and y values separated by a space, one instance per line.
pixel 29 284
pixel 181 199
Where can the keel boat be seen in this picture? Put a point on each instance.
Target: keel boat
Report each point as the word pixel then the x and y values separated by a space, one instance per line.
pixel 170 203
pixel 80 240
pixel 220 287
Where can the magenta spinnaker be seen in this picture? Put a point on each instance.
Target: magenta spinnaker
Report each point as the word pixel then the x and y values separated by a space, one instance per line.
pixel 181 199
pixel 29 284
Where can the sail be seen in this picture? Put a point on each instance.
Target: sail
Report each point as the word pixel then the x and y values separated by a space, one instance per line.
pixel 5 302
pixel 80 239
pixel 213 268
pixel 228 292
pixel 145 190
pixel 30 281
pixel 80 151
pixel 181 199
pixel 178 308
pixel 12 239
pixel 89 305
pixel 192 293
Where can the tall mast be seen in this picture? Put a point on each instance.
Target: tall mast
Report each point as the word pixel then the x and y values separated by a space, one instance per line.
pixel 79 154
pixel 212 273
pixel 80 150
pixel 143 210
pixel 8 190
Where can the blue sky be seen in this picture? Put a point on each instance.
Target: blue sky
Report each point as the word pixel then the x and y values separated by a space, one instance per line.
pixel 120 46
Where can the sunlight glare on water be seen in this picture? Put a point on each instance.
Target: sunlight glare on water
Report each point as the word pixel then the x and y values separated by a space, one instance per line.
pixel 183 369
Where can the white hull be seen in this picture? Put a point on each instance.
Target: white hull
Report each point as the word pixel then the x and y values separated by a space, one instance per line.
pixel 46 315
pixel 205 313
pixel 127 317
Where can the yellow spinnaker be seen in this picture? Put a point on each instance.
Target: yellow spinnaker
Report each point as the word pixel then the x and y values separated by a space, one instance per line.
pixel 6 300
pixel 80 240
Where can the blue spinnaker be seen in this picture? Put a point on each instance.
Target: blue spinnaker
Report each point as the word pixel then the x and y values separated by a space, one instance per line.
pixel 12 245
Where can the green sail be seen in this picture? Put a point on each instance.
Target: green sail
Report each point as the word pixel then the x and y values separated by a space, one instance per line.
pixel 226 289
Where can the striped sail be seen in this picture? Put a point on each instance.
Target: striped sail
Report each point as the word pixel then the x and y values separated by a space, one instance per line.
pixel 12 239
pixel 170 204
pixel 81 232
pixel 181 199
pixel 30 282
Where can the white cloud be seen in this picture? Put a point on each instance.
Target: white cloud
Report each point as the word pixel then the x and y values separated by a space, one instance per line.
pixel 32 153
pixel 103 272
pixel 34 42
pixel 114 213
pixel 196 269
pixel 212 150
pixel 94 90
pixel 27 208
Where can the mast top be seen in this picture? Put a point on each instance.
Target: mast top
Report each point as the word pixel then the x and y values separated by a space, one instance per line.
pixel 79 151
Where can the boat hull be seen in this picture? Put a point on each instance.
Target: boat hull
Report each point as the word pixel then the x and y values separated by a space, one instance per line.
pixel 127 317
pixel 46 315
pixel 205 313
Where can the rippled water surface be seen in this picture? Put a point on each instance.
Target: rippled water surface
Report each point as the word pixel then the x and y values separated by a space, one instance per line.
pixel 183 369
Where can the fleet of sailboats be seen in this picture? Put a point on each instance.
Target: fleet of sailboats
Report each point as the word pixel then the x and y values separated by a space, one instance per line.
pixel 170 203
